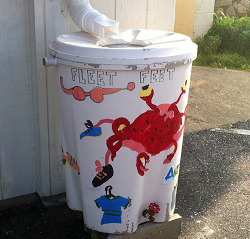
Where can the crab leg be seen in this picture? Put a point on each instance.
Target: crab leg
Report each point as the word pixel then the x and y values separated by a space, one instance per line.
pixel 110 121
pixel 170 156
pixel 108 153
pixel 182 92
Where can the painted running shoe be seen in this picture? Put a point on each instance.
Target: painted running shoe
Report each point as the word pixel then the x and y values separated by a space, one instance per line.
pixel 103 176
pixel 91 131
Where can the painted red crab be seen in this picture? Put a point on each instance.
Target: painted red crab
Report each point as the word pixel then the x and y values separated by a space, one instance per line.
pixel 152 132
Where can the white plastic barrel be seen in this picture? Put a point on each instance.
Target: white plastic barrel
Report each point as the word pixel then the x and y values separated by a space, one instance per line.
pixel 122 105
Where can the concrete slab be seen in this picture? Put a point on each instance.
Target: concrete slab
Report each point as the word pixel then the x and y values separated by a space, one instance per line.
pixel 150 230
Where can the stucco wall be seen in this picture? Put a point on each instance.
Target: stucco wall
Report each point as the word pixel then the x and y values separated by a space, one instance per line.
pixel 184 17
pixel 194 17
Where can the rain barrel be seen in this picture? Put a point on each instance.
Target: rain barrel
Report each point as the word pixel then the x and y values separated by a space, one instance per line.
pixel 122 105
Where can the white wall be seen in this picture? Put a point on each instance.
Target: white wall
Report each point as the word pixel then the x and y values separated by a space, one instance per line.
pixel 30 155
pixel 139 14
pixel 16 108
pixel 30 151
pixel 203 18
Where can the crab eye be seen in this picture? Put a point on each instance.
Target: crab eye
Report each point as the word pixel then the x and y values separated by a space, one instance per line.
pixel 184 86
pixel 121 127
pixel 145 91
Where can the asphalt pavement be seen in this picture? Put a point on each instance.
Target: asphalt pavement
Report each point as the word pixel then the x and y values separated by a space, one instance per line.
pixel 214 183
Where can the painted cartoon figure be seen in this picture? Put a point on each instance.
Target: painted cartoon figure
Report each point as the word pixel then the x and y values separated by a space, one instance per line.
pixel 151 132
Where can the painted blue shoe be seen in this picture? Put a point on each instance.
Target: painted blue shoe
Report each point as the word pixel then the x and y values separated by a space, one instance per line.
pixel 91 131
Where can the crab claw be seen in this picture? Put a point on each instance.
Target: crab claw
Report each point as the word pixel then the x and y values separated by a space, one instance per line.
pixel 170 156
pixel 142 160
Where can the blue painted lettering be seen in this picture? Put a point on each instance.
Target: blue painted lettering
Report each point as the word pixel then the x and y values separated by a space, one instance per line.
pixel 172 173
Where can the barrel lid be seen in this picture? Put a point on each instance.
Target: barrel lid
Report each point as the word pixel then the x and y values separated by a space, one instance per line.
pixel 131 49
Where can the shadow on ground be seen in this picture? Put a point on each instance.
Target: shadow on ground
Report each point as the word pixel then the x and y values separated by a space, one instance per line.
pixel 214 186
pixel 36 221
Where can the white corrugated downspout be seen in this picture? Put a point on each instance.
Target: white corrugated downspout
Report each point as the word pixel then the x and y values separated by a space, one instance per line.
pixel 90 20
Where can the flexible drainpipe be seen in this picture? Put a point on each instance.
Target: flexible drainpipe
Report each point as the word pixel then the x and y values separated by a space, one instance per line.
pixel 90 20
